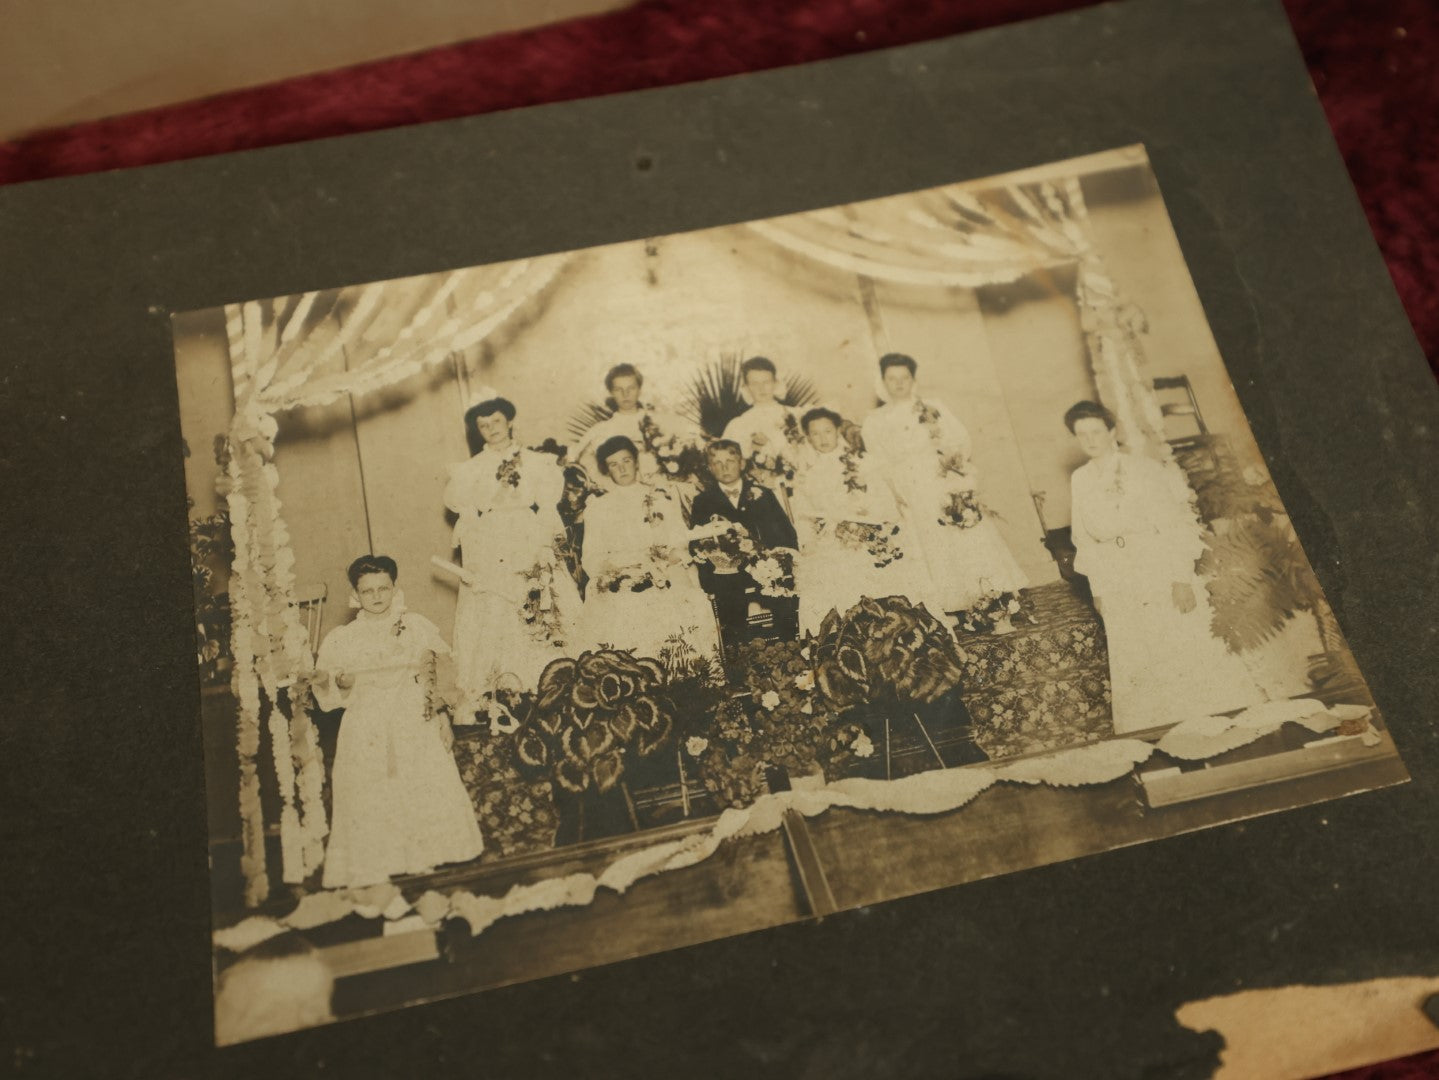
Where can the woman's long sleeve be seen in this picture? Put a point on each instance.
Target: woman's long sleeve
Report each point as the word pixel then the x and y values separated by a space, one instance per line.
pixel 331 661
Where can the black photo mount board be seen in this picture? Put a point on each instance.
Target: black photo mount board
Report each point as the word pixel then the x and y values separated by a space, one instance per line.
pixel 1067 970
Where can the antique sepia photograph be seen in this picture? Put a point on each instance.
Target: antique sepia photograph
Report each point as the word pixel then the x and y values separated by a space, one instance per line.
pixel 561 611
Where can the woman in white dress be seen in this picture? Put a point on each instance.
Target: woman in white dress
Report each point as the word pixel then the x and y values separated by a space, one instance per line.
pixel 852 544
pixel 518 604
pixel 399 805
pixel 644 425
pixel 923 450
pixel 643 590
pixel 768 431
pixel 1137 540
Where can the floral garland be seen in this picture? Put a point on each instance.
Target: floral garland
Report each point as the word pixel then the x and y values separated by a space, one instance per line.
pixel 540 609
pixel 989 611
pixel 853 481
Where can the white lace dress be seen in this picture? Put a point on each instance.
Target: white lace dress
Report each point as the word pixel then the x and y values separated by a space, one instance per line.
pixel 523 606
pixel 914 443
pixel 847 521
pixel 399 805
pixel 635 536
pixel 1136 536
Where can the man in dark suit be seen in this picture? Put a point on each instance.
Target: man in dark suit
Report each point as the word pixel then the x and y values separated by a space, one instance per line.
pixel 753 506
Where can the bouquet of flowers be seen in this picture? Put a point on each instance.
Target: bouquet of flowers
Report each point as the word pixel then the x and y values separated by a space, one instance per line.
pixel 875 539
pixel 991 610
pixel 773 572
pixel 509 471
pixel 635 578
pixel 962 510
pixel 724 544
pixel 680 460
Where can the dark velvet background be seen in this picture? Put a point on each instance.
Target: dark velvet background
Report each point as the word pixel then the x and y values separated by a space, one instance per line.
pixel 1070 970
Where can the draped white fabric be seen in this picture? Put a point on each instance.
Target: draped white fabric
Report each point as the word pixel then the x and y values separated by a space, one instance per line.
pixel 302 351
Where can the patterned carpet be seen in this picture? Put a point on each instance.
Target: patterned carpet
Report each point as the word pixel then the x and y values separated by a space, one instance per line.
pixel 1046 684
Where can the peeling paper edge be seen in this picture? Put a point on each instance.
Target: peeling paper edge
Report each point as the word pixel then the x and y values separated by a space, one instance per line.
pixel 934 792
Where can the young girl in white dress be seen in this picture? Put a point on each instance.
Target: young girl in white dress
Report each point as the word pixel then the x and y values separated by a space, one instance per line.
pixel 398 804
pixel 1137 539
pixel 643 589
pixel 852 544
pixel 518 605
pixel 924 452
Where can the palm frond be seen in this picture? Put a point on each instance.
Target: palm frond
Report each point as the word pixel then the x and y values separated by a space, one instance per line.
pixel 713 396
pixel 799 390
pixel 587 416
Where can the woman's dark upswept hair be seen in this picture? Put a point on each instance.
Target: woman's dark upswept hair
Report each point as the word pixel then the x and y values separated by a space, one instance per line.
pixel 1087 410
pixel 613 445
pixel 485 408
pixel 897 359
pixel 820 414
pixel 372 564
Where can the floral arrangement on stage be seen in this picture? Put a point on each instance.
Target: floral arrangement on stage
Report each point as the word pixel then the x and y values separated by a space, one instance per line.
pixel 885 650
pixel 590 715
pixel 876 539
pixel 778 720
pixel 991 611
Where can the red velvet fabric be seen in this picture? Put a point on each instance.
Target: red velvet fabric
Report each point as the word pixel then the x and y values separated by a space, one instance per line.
pixel 1375 64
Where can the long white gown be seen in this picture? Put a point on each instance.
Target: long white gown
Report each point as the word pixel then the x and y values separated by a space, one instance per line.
pixel 629 424
pixel 1136 536
pixel 522 610
pixel 838 496
pixel 399 805
pixel 632 531
pixel 911 441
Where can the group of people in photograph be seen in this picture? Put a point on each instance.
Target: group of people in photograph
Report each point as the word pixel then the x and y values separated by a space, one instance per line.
pixel 787 514
pixel 794 513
